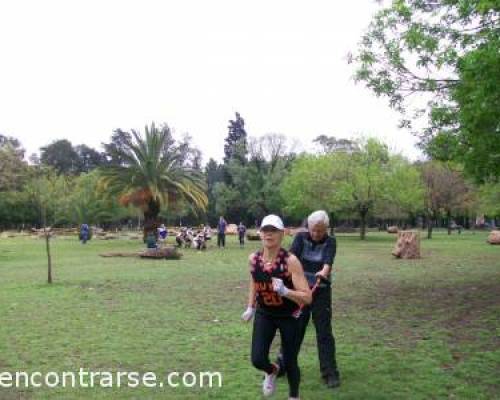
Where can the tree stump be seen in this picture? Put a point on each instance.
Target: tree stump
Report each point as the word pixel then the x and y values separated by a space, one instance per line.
pixel 494 237
pixel 408 245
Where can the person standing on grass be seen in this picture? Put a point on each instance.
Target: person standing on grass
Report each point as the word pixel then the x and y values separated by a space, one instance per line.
pixel 221 232
pixel 84 233
pixel 162 233
pixel 241 233
pixel 316 251
pixel 277 288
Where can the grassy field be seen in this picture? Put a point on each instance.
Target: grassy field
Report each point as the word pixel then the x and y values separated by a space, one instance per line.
pixel 423 329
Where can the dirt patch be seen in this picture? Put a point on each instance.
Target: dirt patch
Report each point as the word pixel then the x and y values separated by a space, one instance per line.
pixel 465 313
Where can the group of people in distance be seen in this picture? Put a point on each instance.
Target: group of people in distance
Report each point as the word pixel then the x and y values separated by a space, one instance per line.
pixel 187 237
pixel 286 288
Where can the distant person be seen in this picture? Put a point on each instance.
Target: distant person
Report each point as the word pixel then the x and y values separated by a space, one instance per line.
pixel 179 238
pixel 277 288
pixel 162 233
pixel 84 233
pixel 242 229
pixel 199 241
pixel 151 241
pixel 207 232
pixel 221 232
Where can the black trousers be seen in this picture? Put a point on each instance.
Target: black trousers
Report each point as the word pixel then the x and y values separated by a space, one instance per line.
pixel 221 239
pixel 264 330
pixel 242 240
pixel 321 310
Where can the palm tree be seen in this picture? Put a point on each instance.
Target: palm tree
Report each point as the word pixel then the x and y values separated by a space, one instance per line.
pixel 152 174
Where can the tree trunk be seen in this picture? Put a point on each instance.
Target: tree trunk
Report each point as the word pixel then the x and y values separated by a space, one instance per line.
pixel 151 219
pixel 429 227
pixel 332 223
pixel 362 214
pixel 49 258
pixel 448 216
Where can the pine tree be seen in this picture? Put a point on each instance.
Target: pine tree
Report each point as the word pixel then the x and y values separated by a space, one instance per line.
pixel 235 147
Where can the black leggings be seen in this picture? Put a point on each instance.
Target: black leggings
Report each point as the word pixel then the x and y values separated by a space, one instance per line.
pixel 264 330
pixel 321 310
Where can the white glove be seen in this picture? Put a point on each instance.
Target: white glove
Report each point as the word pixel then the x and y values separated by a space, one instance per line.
pixel 248 314
pixel 279 287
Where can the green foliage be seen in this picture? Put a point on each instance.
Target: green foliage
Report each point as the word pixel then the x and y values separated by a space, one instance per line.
pixel 16 209
pixel 489 199
pixel 13 169
pixel 449 52
pixel 88 203
pixel 404 193
pixel 49 193
pixel 312 185
pixel 252 189
pixel 354 183
pixel 61 156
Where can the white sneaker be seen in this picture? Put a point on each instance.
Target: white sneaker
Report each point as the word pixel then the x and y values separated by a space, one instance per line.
pixel 269 383
pixel 294 398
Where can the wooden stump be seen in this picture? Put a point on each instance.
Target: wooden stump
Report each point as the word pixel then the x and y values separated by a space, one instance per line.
pixel 408 245
pixel 494 237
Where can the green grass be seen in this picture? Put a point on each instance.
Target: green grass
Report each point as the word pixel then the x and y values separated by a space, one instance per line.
pixel 421 329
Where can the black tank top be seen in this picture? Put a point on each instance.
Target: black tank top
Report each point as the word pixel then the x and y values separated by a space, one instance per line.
pixel 268 301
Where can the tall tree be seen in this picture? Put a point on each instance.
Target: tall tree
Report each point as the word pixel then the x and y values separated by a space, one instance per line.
pixel 446 50
pixel 358 183
pixel 471 132
pixel 88 158
pixel 214 174
pixel 114 150
pixel 13 169
pixel 236 141
pixel 446 192
pixel 89 203
pixel 60 155
pixel 489 199
pixel 151 175
pixel 45 192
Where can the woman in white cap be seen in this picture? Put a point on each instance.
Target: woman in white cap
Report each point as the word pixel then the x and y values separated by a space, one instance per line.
pixel 277 288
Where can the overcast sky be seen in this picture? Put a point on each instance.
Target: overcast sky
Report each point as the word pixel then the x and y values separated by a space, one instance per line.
pixel 79 69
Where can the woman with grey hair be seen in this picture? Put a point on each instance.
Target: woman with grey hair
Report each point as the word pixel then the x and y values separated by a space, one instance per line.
pixel 316 250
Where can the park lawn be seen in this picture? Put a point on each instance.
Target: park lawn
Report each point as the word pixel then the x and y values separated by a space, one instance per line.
pixel 405 329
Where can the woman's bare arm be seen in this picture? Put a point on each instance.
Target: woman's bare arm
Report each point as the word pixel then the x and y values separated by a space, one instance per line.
pixel 301 294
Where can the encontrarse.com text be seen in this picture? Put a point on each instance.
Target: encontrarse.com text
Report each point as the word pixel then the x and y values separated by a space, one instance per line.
pixel 91 379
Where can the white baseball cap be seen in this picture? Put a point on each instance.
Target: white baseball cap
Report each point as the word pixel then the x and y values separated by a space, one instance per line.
pixel 272 220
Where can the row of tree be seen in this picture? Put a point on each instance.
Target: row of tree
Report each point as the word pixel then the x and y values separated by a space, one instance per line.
pixel 153 177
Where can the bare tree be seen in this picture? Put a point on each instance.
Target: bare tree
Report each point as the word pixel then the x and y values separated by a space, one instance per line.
pixel 446 192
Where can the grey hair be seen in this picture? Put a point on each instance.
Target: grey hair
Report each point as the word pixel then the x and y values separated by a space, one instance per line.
pixel 317 217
